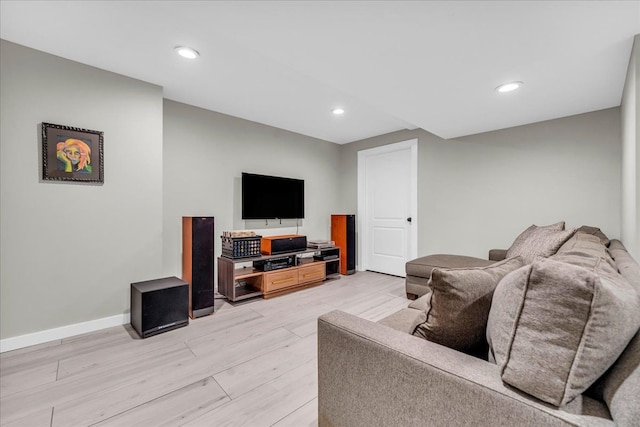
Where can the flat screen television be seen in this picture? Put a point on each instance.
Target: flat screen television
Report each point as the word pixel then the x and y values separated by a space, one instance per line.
pixel 271 197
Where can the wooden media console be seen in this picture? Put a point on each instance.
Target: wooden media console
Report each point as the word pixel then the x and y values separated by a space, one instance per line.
pixel 238 283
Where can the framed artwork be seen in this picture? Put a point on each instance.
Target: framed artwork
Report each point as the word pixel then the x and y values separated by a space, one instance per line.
pixel 72 154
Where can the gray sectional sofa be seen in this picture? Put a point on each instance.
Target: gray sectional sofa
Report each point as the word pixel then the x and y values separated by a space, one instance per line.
pixel 547 336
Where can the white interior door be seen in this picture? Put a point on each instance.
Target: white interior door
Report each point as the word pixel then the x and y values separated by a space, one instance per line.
pixel 387 206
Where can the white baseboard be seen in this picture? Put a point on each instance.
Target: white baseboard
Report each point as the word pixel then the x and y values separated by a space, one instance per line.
pixel 27 340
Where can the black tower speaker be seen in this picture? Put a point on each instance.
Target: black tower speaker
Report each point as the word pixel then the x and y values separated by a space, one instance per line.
pixel 159 306
pixel 198 263
pixel 343 233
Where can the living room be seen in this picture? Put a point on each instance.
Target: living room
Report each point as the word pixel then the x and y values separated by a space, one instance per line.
pixel 69 251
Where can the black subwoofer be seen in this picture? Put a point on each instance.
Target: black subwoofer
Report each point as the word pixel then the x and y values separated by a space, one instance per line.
pixel 198 263
pixel 159 305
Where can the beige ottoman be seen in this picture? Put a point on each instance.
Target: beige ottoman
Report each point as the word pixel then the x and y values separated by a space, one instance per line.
pixel 419 270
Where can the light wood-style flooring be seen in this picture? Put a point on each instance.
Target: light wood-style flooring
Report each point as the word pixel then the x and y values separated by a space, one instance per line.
pixel 252 363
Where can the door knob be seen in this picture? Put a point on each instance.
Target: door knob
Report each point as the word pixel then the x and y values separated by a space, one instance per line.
pixel 409 219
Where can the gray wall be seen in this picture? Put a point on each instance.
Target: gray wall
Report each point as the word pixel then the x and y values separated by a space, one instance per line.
pixel 631 154
pixel 479 192
pixel 206 152
pixel 70 251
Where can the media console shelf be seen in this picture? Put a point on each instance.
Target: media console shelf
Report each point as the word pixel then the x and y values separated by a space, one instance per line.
pixel 241 282
pixel 331 257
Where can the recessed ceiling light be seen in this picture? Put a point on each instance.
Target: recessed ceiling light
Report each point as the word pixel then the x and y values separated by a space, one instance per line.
pixel 337 111
pixel 508 87
pixel 187 52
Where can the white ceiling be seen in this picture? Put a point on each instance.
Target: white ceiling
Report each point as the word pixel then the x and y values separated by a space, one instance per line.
pixel 390 64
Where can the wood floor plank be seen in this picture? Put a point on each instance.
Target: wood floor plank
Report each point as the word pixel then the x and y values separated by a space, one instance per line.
pixel 305 416
pixel 295 303
pixel 250 348
pixel 132 349
pixel 365 303
pixel 39 418
pixel 303 328
pixel 106 333
pixel 103 340
pixel 384 309
pixel 79 387
pixel 353 288
pixel 26 350
pixel 123 396
pixel 246 376
pixel 289 319
pixel 173 409
pixel 212 343
pixel 267 404
pixel 25 379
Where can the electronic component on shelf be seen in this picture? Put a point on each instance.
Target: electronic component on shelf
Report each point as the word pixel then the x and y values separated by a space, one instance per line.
pixel 239 233
pixel 320 244
pixel 272 245
pixel 327 254
pixel 275 263
pixel 241 247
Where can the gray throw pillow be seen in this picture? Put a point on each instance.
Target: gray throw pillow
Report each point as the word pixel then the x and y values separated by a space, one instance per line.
pixel 558 226
pixel 458 304
pixel 541 241
pixel 555 328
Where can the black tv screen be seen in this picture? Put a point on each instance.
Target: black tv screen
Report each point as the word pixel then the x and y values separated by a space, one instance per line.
pixel 270 197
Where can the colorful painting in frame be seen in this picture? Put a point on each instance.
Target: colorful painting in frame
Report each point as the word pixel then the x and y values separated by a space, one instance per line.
pixel 72 154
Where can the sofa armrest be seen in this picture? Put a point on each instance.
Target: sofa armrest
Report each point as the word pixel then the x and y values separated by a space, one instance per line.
pixel 370 374
pixel 497 254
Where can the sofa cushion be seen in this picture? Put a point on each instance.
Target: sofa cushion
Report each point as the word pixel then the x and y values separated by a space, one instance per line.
pixel 550 326
pixel 458 304
pixel 588 244
pixel 404 320
pixel 422 267
pixel 620 386
pixel 581 248
pixel 595 231
pixel 625 264
pixel 539 242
